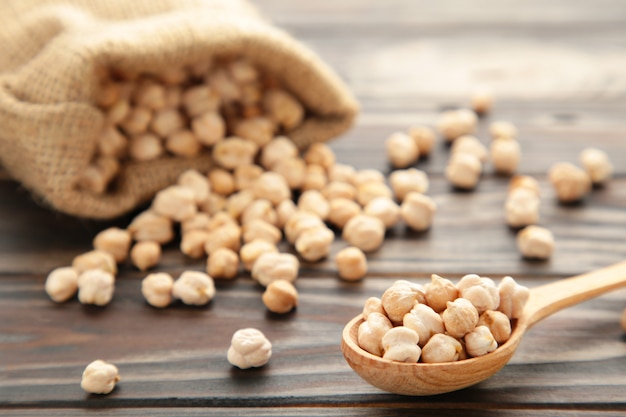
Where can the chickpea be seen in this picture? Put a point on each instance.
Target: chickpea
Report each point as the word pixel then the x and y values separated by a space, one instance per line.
pixel 460 317
pixel 97 176
pixel 166 122
pixel 424 138
pixel 145 147
pixel 521 207
pixel 271 186
pixel 183 143
pixel 199 184
pixel 400 298
pixel 498 324
pixel 145 254
pixel 232 152
pixel 173 76
pixel 115 241
pixel 368 191
pixel 194 288
pixel 480 341
pixel 260 229
pixel 222 181
pixel 365 232
pixel 242 71
pixel 150 95
pixel 278 149
pixel 173 97
pixel 209 128
pixel 280 297
pixel 455 123
pixel 220 219
pixel 320 154
pixel 284 109
pixel 112 143
pixel 463 170
pixel 249 348
pixel 338 189
pixel 270 267
pixel 176 202
pixel 315 178
pixel 284 211
pixel 62 284
pixel 365 176
pixel 525 181
pixel 351 264
pixel 246 175
pixel 424 321
pixel 192 243
pixel 200 100
pixel 480 291
pixel 226 236
pixel 597 164
pixel 535 242
pixel 259 130
pixel 137 121
pixel 118 112
pixel 482 101
pixel 259 209
pixel 442 348
pixel 371 331
pixel 401 150
pixel 215 203
pixel 157 289
pixel 251 251
pixel 108 94
pixel 313 201
pixel 502 130
pixel 341 211
pixel 400 345
pixel 417 211
pixel 95 259
pixel 372 305
pixel 223 263
pixel 314 244
pixel 293 170
pixel 99 377
pixel 95 286
pixel 468 144
pixel 341 173
pixel 513 297
pixel 409 180
pixel 299 222
pixel 439 292
pixel 505 155
pixel 385 209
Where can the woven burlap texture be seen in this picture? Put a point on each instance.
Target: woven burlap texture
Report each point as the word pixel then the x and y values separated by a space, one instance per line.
pixel 50 55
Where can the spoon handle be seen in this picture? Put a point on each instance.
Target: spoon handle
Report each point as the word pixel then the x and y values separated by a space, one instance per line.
pixel 550 298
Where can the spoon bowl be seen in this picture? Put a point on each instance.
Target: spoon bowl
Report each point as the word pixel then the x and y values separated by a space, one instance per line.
pixel 437 378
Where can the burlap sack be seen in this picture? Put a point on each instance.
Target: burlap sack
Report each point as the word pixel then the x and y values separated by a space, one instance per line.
pixel 49 54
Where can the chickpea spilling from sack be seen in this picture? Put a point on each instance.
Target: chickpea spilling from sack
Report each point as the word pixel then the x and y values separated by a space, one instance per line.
pixel 441 322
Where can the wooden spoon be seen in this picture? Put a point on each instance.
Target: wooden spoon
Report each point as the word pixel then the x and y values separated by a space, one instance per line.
pixel 437 378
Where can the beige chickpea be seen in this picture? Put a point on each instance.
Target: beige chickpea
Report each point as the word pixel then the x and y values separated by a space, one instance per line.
pixel 223 263
pixel 480 291
pixel 597 164
pixel 385 209
pixel 365 232
pixel 246 175
pixel 460 317
pixel 480 341
pixel 226 236
pixel 284 210
pixel 498 324
pixel 342 210
pixel 166 122
pixel 259 209
pixel 455 123
pixel 232 152
pixel 259 130
pixel 463 170
pixel 260 229
pixel 222 181
pixel 95 259
pixel 502 129
pixel 521 207
pixel 417 211
pixel 525 181
pixel 270 267
pixel 145 254
pixel 535 242
pixel 351 264
pixel 215 203
pixel 149 225
pixel 145 147
pixel 278 149
pixel 173 97
pixel 183 143
pixel 400 298
pixel 96 286
pixel 99 377
pixel 341 173
pixel 513 297
pixel 371 332
pixel 137 121
pixel 61 284
pixel 108 94
pixel 176 202
pixel 220 219
pixel 401 150
pixel 372 305
pixel 442 348
pixel 320 154
pixel 173 75
pixel 150 95
pixel 192 243
pixel 313 201
pixel 293 170
pixel 505 155
pixel 338 189
pixel 271 186
pixel 315 178
pixel 115 241
pixel 280 297
pixel 404 181
pixel 368 191
pixel 482 101
pixel 209 128
pixel 283 108
pixel 242 71
pixel 200 100
pixel 112 143
pixel 157 289
pixel 469 144
pixel 314 244
pixel 424 321
pixel 200 68
pixel 237 203
pixel 118 112
pixel 251 251
pixel 299 222
pixel 365 176
pixel 194 288
pixel 439 292
pixel 198 183
pixel 400 345
pixel 98 175
pixel 424 138
pixel 249 348
pixel 220 80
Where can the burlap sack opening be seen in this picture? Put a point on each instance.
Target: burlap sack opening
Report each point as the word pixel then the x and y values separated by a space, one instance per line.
pixel 50 59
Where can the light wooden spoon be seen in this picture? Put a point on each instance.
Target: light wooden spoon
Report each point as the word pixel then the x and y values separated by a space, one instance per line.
pixel 437 378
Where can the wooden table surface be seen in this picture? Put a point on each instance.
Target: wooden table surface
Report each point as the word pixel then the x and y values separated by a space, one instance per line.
pixel 558 69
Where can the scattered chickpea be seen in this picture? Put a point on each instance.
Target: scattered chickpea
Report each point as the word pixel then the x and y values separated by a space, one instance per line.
pixel 505 155
pixel 183 143
pixel 222 181
pixel 315 178
pixel 249 348
pixel 200 221
pixel 401 149
pixel 314 244
pixel 409 180
pixel 284 210
pixel 99 377
pixel 463 170
pixel 535 242
pixel 385 209
pixel 469 144
pixel 525 181
pixel 271 267
pixel 225 236
pixel 570 183
pixel 299 222
pixel 199 100
pixel 95 286
pixel 339 189
pixel 95 259
pixel 521 207
pixel 368 191
pixel 455 123
pixel 503 130
pixel 192 243
pixel 115 241
pixel 482 101
pixel 342 173
pixel 320 154
pixel 442 348
pixel 237 203
pixel 166 122
pixel 271 186
pixel 351 263
pixel 145 254
pixel 278 149
pixel 251 251
pixel 259 130
pixel 284 109
pixel 145 147
pixel 313 201
pixel 232 152
pixel 597 164
pixel 157 289
pixel 194 288
pixel 417 211
pixel 176 202
pixel 400 345
pixel 223 263
pixel 371 332
pixel 137 121
pixel 365 232
pixel 293 170
pixel 214 204
pixel 209 128
pixel 480 341
pixel 342 210
pixel 424 138
pixel 62 284
pixel 246 175
pixel 260 229
pixel 280 297
pixel 199 184
pixel 365 176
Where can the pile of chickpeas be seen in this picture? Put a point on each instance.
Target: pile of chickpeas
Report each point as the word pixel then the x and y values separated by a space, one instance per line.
pixel 441 322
